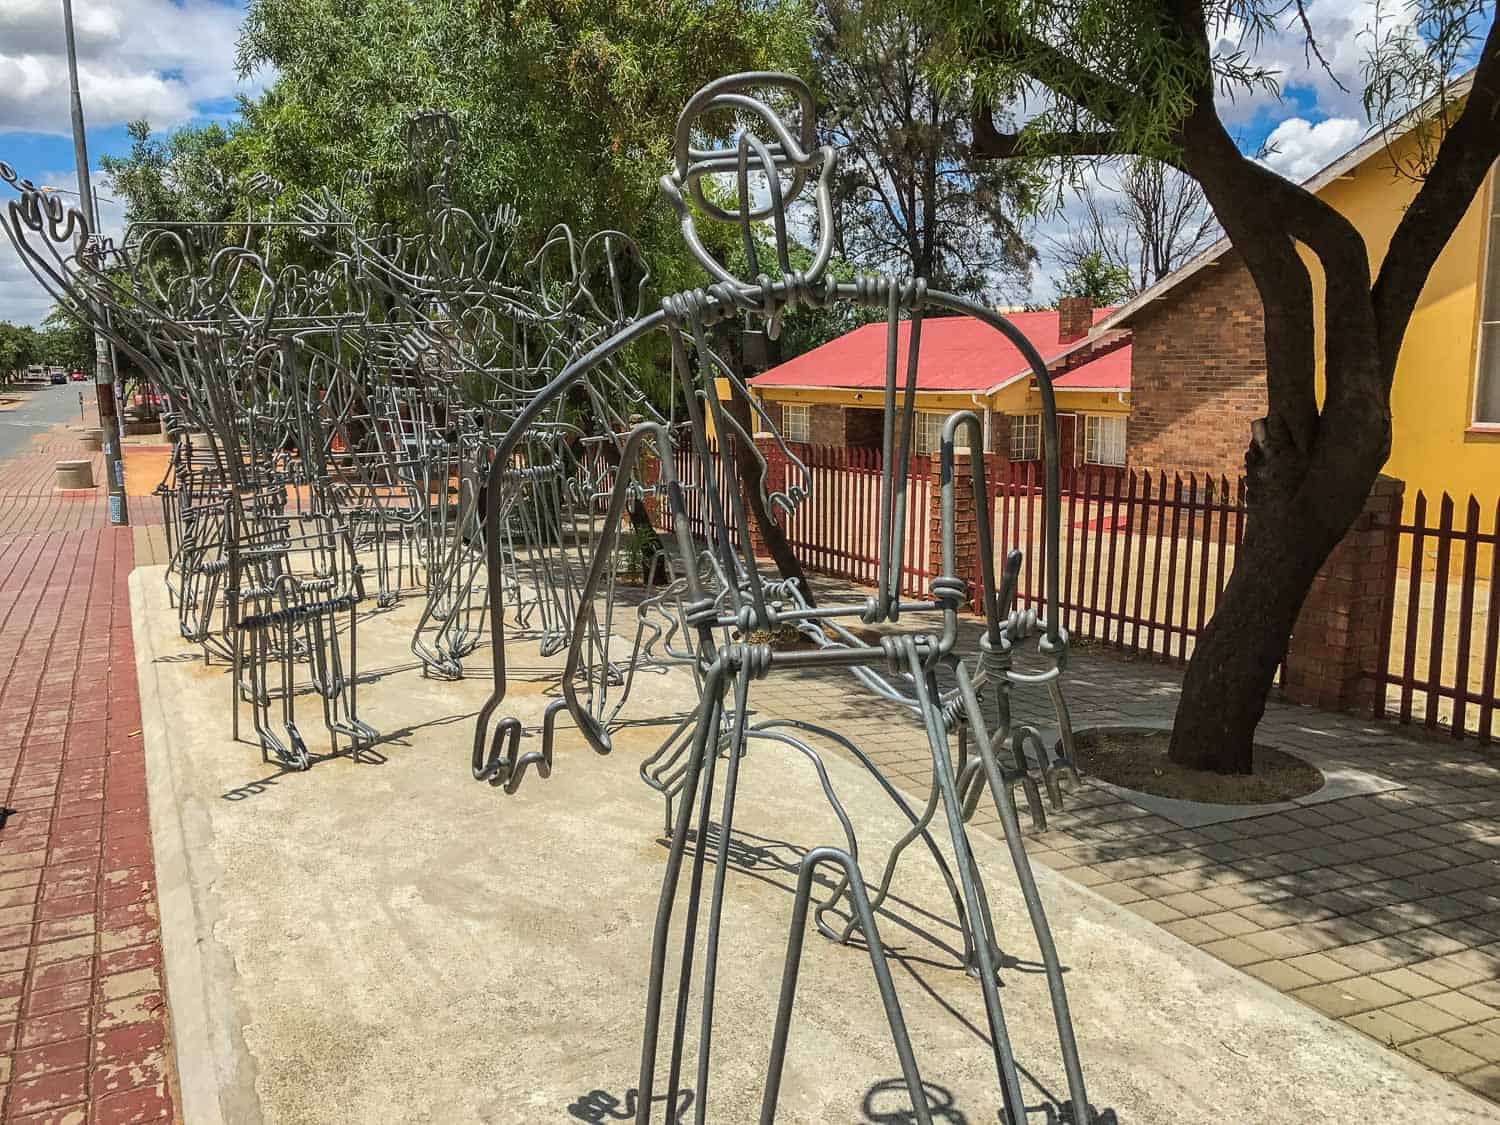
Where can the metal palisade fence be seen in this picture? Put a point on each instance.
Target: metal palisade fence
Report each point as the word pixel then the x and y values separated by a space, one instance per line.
pixel 1440 666
pixel 1146 557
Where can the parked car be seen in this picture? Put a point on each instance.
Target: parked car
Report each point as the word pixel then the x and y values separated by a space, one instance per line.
pixel 57 375
pixel 79 377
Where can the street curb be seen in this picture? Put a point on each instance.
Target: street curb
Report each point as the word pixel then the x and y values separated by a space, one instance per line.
pixel 216 1073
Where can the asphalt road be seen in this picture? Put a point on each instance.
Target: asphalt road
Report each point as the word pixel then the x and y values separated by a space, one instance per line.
pixel 43 409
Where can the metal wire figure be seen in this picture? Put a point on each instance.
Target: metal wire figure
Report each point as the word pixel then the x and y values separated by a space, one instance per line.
pixel 782 158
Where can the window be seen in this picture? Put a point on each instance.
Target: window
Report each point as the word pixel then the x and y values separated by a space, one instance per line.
pixel 1487 377
pixel 794 423
pixel 927 435
pixel 1025 437
pixel 1103 439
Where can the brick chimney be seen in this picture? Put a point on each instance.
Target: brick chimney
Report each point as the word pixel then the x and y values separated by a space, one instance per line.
pixel 1075 316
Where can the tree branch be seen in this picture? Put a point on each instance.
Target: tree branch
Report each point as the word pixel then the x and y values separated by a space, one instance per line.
pixel 1470 146
pixel 990 143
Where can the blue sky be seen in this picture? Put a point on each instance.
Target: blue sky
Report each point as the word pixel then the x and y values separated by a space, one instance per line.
pixel 171 62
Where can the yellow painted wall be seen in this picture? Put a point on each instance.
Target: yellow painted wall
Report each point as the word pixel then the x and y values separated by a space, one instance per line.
pixel 1079 402
pixel 1017 398
pixel 1434 446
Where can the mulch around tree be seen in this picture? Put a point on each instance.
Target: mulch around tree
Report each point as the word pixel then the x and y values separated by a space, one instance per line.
pixel 1138 760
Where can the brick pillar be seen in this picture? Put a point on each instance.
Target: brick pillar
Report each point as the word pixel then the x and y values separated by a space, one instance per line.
pixel 1345 618
pixel 649 468
pixel 965 532
pixel 775 481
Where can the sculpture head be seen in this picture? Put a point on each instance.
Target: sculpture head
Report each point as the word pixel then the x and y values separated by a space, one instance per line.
pixel 768 154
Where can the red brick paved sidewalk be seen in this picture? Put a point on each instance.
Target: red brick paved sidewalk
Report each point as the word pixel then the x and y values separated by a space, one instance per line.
pixel 84 1033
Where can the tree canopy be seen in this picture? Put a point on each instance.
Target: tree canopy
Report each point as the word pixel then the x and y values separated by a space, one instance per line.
pixel 1096 278
pixel 563 111
pixel 61 340
pixel 20 347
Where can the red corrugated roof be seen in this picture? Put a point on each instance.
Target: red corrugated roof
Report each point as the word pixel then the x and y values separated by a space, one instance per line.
pixel 1107 372
pixel 958 353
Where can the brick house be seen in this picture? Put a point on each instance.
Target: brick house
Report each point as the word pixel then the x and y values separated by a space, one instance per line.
pixel 834 394
pixel 1198 370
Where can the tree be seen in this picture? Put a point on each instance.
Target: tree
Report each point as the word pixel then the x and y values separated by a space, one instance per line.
pixel 908 196
pixel 1091 276
pixel 565 111
pixel 68 340
pixel 182 177
pixel 1148 221
pixel 20 347
pixel 1141 78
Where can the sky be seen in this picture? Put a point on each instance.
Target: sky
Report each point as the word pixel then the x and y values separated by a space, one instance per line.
pixel 171 63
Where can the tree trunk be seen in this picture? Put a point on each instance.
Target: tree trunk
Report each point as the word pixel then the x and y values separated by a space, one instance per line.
pixel 1294 525
pixel 750 472
pixel 1233 666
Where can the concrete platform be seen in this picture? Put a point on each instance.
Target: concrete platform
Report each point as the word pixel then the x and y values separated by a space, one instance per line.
pixel 372 943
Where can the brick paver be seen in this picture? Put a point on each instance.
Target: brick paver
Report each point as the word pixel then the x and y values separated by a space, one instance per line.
pixel 84 1031
pixel 1381 911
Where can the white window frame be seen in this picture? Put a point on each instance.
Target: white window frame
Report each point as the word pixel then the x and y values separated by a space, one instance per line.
pixel 1487 366
pixel 1098 450
pixel 927 432
pixel 1025 437
pixel 796 422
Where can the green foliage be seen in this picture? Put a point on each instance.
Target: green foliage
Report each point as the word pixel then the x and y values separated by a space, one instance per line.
pixel 1093 277
pixel 20 347
pixel 182 177
pixel 62 341
pixel 564 109
pixel 67 340
pixel 1127 73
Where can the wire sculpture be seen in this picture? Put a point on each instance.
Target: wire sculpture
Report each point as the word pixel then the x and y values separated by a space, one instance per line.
pixel 769 163
pixel 436 413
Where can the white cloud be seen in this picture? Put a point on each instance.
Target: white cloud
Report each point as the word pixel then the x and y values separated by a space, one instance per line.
pixel 158 60
pixel 151 59
pixel 1297 148
pixel 23 300
pixel 1344 33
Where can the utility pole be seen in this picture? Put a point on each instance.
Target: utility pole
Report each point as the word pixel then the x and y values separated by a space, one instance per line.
pixel 104 366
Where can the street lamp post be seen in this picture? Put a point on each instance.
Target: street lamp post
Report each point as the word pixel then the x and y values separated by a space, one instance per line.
pixel 104 367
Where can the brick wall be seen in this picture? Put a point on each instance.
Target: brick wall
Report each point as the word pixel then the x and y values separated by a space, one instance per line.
pixel 1198 374
pixel 825 424
pixel 1000 440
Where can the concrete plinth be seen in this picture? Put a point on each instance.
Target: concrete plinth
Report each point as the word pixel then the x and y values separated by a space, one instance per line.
pixel 92 440
pixel 394 941
pixel 75 474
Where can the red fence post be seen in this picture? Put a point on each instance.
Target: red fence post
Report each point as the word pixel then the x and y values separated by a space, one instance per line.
pixel 1335 646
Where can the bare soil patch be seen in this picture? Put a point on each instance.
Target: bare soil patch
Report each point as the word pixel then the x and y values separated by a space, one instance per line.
pixel 1138 760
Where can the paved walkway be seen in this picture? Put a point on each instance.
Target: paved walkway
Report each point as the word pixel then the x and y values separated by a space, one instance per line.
pixel 84 1030
pixel 1381 911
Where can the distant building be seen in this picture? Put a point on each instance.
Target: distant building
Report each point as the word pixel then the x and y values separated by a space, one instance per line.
pixel 833 395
